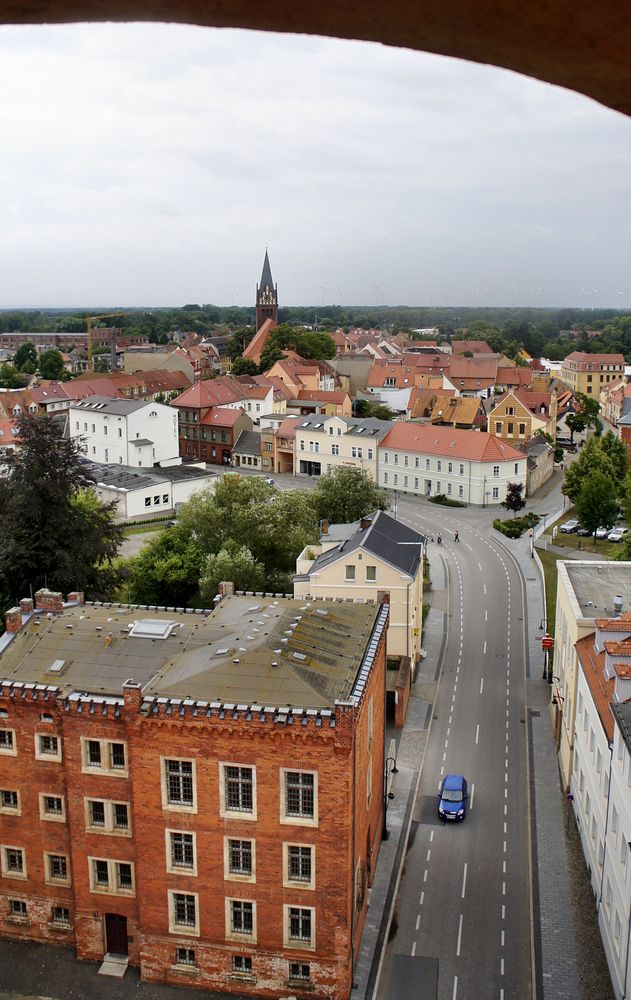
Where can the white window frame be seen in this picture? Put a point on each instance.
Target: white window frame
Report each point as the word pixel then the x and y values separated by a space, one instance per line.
pixel 42 754
pixel 298 943
pixel 110 829
pixel 11 751
pixel 106 754
pixel 230 876
pixel 349 573
pixel 187 930
pixel 180 807
pixel 290 883
pixel 298 820
pixel 171 867
pixel 242 936
pixel 111 889
pixel 51 879
pixel 52 817
pixel 11 810
pixel 249 816
pixel 6 871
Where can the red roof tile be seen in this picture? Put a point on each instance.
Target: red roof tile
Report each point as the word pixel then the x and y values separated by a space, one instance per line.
pixel 477 446
pixel 593 665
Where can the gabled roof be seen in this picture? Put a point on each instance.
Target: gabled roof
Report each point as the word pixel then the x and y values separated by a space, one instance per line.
pixel 602 690
pixel 111 404
pixel 255 348
pixel 448 442
pixel 287 429
pixel 583 358
pixel 475 346
pixel 455 410
pixel 323 395
pixel 248 443
pixel 209 392
pixel 483 369
pixel 223 416
pixel 266 274
pixel 383 537
pixel 514 375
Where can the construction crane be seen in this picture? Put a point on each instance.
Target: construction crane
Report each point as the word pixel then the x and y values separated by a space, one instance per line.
pixel 89 321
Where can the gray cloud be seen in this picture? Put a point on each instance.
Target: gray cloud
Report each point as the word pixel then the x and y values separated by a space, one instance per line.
pixel 151 164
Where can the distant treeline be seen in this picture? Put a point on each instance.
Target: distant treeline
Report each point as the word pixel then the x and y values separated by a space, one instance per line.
pixel 538 331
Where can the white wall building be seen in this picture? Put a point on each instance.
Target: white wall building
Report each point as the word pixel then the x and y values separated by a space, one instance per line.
pixel 323 444
pixel 614 911
pixel 130 432
pixel 142 494
pixel 470 466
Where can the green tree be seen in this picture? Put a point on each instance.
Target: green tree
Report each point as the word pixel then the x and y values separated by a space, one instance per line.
pixel 51 365
pixel 591 459
pixel 235 563
pixel 596 504
pixel 575 423
pixel 514 499
pixel 54 530
pixel 25 358
pixel 615 449
pixel 244 366
pixel 347 494
pixel 366 408
pixel 167 570
pixel 10 378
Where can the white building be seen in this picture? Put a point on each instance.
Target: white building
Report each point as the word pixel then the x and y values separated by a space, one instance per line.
pixel 142 494
pixel 130 432
pixel 323 444
pixel 615 903
pixel 470 466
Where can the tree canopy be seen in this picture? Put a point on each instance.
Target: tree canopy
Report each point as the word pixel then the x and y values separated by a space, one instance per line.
pixel 347 494
pixel 593 458
pixel 596 503
pixel 51 365
pixel 55 532
pixel 514 499
pixel 25 358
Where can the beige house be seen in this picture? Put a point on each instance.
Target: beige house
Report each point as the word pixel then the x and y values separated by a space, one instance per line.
pixel 586 591
pixel 589 373
pixel 326 443
pixel 520 413
pixel 363 561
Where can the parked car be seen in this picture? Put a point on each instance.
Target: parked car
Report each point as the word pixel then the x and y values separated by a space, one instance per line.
pixel 602 531
pixel 617 534
pixel 269 480
pixel 583 531
pixel 452 797
pixel 568 527
pixel 566 443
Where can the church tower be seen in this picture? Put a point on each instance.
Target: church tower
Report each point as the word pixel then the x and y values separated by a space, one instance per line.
pixel 266 297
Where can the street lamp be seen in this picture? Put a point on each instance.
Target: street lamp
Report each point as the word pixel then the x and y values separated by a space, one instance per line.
pixel 385 833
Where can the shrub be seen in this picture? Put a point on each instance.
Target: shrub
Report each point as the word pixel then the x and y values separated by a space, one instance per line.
pixel 446 501
pixel 517 525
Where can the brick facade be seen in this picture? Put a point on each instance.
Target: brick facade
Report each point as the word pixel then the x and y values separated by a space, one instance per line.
pixel 343 750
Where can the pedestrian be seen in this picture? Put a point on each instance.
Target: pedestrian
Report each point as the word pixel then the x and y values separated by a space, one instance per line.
pixel 456 539
pixel 439 540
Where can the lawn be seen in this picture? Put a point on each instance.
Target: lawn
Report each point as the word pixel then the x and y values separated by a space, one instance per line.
pixel 549 562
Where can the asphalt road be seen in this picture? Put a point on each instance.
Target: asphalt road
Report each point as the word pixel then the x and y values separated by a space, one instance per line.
pixel 464 905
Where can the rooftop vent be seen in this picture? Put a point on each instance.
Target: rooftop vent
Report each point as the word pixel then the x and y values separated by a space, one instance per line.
pixel 57 666
pixel 152 628
pixel 617 604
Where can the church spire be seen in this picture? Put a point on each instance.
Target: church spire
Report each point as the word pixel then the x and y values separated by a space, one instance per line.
pixel 266 296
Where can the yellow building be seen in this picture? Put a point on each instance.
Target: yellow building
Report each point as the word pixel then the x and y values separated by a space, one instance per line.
pixel 586 591
pixel 363 561
pixel 588 373
pixel 326 443
pixel 520 413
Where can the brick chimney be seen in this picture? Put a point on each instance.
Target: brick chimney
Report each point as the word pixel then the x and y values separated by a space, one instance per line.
pixel 49 600
pixel 76 597
pixel 13 620
pixel 324 526
pixel 26 605
pixel 225 588
pixel 364 523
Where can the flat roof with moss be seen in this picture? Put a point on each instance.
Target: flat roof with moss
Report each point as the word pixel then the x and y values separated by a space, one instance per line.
pixel 266 650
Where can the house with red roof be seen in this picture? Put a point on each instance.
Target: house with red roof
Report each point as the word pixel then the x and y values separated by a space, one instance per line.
pixel 471 376
pixel 516 416
pixel 471 466
pixel 296 373
pixel 470 346
pixel 210 419
pixel 590 373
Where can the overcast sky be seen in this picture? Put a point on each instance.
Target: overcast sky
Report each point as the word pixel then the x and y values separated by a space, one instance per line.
pixel 152 165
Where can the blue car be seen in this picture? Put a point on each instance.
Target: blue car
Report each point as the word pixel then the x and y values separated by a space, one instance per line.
pixel 452 797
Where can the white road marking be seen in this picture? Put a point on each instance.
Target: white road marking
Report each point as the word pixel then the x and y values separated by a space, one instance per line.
pixel 501 938
pixel 446 744
pixel 506 762
pixel 485 588
pixel 418 922
pixel 486 615
pixel 471 797
pixel 431 836
pixel 414 949
pixel 429 854
pixel 454 992
pixel 505 826
pixel 425 875
pixel 423 897
pixel 464 880
pixel 459 937
pixel 479 567
pixel 506 776
pixel 503 868
pixel 504 847
pixel 503 911
pixel 448 730
pixel 444 757
pixel 505 810
pixel 503 888
pixel 482 680
pixel 477 734
pixel 501 966
pixel 484 651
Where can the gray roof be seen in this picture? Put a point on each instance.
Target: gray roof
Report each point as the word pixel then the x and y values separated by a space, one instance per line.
pixel 596 584
pixel 622 715
pixel 368 427
pixel 266 275
pixel 625 413
pixel 265 650
pixel 140 442
pixel 111 404
pixel 385 538
pixel 127 477
pixel 248 443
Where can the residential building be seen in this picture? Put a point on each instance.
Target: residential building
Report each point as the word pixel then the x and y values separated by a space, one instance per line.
pixel 585 591
pixel 125 431
pixel 373 556
pixel 284 446
pixel 227 844
pixel 210 419
pixel 470 347
pixel 464 412
pixel 471 376
pixel 411 370
pixel 148 493
pixel 513 377
pixel 611 400
pixel 589 373
pixel 317 401
pixel 539 463
pixel 247 450
pixel 296 374
pixel 470 466
pixel 517 415
pixel 615 894
pixel 323 444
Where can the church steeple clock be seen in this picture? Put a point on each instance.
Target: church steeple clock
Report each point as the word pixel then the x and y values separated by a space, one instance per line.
pixel 266 297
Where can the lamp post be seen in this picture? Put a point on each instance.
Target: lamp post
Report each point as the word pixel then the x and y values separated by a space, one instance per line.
pixel 385 833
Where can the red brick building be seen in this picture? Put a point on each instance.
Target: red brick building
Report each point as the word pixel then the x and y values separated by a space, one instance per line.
pixel 198 793
pixel 210 419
